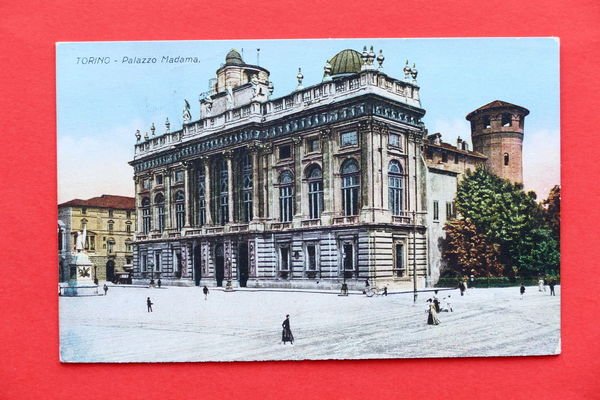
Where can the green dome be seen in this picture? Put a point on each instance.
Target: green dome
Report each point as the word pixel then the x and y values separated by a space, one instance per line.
pixel 346 62
pixel 233 57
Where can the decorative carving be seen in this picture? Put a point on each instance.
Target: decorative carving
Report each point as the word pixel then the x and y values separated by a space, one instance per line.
pixel 296 140
pixel 187 115
pixel 325 133
pixel 228 154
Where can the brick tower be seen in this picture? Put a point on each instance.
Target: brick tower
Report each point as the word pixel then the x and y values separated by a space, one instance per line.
pixel 497 132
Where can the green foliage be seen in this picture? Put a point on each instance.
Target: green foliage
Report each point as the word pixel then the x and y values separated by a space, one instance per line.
pixel 505 218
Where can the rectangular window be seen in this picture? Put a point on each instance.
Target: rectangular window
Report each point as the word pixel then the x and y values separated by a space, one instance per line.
pixel 179 176
pixel 313 145
pixel 92 243
pixel 436 210
pixel 128 228
pixel 157 261
pixel 311 256
pixel 146 184
pixel 349 139
pixel 111 226
pixel 284 253
pixel 84 210
pixel 348 259
pixel 449 210
pixel 394 140
pixel 111 213
pixel 285 152
pixel 399 261
pixel 128 214
pixel 159 179
pixel 143 262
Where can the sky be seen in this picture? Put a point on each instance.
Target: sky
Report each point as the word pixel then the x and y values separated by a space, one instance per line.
pixel 102 99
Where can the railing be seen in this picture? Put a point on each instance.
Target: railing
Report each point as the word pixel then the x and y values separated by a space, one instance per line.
pixel 402 218
pixel 280 225
pixel 345 220
pixel 311 222
pixel 238 228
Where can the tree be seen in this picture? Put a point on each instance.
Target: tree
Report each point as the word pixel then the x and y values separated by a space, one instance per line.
pixel 552 211
pixel 508 217
pixel 468 252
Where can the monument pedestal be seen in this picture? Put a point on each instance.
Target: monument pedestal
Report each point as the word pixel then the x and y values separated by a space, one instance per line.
pixel 83 282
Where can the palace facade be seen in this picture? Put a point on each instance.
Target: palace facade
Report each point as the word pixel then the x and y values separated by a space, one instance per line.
pixel 329 184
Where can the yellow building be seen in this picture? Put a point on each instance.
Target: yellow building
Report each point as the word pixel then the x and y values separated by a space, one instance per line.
pixel 109 222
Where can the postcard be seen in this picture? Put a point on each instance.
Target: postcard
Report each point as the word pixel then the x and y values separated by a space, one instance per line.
pixel 250 200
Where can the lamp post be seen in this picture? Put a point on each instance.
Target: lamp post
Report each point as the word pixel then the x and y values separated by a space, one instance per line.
pixel 414 218
pixel 151 266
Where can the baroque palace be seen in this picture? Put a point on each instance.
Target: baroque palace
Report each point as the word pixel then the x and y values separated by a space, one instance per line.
pixel 334 183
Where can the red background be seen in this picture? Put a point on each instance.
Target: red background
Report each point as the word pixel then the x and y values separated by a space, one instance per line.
pixel 29 329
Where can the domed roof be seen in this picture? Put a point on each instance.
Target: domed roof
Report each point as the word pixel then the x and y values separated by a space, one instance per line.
pixel 233 57
pixel 346 62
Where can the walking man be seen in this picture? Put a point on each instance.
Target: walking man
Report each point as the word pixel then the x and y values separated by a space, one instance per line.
pixel 205 291
pixel 462 287
pixel 149 303
pixel 286 334
pixel 522 290
pixel 552 284
pixel 105 289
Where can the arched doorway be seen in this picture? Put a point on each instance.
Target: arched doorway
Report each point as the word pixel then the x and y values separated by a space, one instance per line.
pixel 243 263
pixel 110 270
pixel 219 264
pixel 197 264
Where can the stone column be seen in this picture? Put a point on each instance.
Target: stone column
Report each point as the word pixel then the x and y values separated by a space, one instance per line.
pixel 255 182
pixel 365 130
pixel 267 150
pixel 328 191
pixel 298 195
pixel 186 191
pixel 167 186
pixel 138 205
pixel 228 156
pixel 207 190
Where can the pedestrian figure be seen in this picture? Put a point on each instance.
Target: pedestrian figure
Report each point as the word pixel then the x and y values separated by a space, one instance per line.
pixel 436 301
pixel 462 287
pixel 149 303
pixel 159 282
pixel 522 290
pixel 432 318
pixel 385 290
pixel 205 291
pixel 367 283
pixel 552 284
pixel 105 289
pixel 286 334
pixel 448 306
pixel 541 286
pixel 344 289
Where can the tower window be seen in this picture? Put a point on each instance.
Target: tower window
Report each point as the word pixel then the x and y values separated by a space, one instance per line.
pixel 506 120
pixel 506 159
pixel 487 123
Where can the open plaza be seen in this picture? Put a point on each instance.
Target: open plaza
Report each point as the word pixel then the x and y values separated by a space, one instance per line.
pixel 245 325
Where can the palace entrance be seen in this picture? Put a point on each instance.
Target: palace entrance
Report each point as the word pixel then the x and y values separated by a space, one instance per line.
pixel 243 263
pixel 197 264
pixel 219 264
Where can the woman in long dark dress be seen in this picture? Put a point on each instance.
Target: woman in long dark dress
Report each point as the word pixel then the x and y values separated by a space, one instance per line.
pixel 432 318
pixel 286 334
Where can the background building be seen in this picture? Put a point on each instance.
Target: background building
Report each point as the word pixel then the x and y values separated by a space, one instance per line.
pixel 110 224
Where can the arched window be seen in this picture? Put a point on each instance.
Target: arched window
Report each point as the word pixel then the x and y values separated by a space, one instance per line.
pixel 506 159
pixel 146 216
pixel 159 203
pixel 246 169
pixel 223 193
pixel 180 209
pixel 315 191
pixel 487 123
pixel 395 187
pixel 350 187
pixel 201 197
pixel 506 119
pixel 286 196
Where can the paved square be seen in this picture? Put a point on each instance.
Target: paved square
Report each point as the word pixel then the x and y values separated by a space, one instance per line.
pixel 246 325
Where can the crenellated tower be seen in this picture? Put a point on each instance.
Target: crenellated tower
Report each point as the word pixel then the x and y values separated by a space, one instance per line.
pixel 497 132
